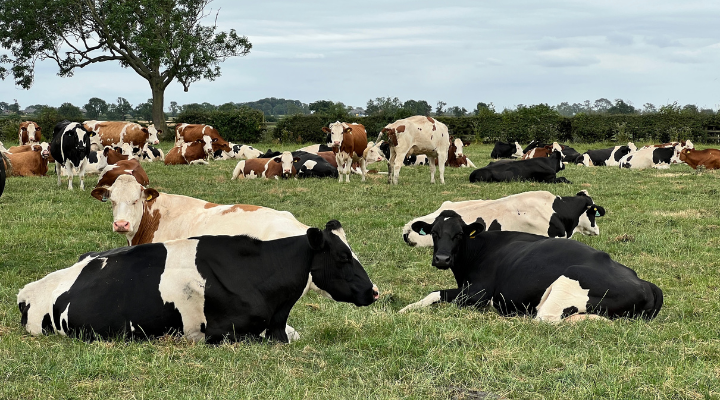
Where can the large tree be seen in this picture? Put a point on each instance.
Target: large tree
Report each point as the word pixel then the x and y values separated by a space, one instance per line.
pixel 161 40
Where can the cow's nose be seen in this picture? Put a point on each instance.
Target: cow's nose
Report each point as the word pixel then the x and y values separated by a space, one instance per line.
pixel 376 292
pixel 156 142
pixel 441 260
pixel 336 143
pixel 121 226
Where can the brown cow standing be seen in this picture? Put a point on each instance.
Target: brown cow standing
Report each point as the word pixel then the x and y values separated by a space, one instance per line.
pixel 709 158
pixel 193 132
pixel 123 167
pixel 349 142
pixel 29 133
pixel 195 152
pixel 276 167
pixel 111 133
pixel 29 163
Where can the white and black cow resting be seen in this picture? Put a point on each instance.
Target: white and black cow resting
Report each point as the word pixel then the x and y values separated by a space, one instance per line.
pixel 533 169
pixel 649 157
pixel 506 150
pixel 70 148
pixel 541 213
pixel 524 274
pixel 309 165
pixel 208 288
pixel 606 157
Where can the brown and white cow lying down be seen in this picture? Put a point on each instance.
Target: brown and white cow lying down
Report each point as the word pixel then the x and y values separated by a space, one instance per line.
pixel 30 162
pixel 29 133
pixel 349 142
pixel 111 133
pixel 456 158
pixel 708 158
pixel 196 152
pixel 539 152
pixel 123 167
pixel 539 212
pixel 417 135
pixel 193 132
pixel 281 166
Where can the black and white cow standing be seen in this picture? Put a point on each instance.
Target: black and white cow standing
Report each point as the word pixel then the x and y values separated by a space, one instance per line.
pixel 519 273
pixel 539 212
pixel 70 148
pixel 207 288
pixel 606 157
pixel 543 169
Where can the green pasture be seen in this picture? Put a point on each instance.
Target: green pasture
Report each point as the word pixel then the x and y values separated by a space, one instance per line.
pixel 665 224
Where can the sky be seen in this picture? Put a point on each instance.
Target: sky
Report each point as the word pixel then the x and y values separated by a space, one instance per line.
pixel 460 52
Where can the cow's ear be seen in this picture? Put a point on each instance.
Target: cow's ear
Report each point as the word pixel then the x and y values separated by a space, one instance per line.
pixel 466 144
pixel 316 239
pixel 347 130
pixel 325 129
pixel 599 211
pixel 473 229
pixel 106 150
pixel 296 159
pixel 145 130
pixel 151 194
pixel 101 194
pixel 422 228
pixel 277 160
pixel 159 131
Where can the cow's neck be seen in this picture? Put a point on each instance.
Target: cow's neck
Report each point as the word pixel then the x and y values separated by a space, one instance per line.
pixel 149 224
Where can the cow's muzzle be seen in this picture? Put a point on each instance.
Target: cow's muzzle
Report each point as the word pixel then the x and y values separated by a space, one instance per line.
pixel 121 226
pixel 442 261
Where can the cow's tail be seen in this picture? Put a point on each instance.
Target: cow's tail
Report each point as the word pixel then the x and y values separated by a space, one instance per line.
pixel 8 164
pixel 657 302
pixel 238 172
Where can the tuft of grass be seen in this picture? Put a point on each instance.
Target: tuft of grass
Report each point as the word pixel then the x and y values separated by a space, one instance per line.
pixel 662 224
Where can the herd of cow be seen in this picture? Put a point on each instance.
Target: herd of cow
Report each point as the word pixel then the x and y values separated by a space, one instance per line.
pixel 225 272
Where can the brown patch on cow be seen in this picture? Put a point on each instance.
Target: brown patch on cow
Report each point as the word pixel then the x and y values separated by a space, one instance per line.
pixel 210 205
pixel 432 121
pixel 149 224
pixel 392 138
pixel 400 128
pixel 243 207
pixel 434 127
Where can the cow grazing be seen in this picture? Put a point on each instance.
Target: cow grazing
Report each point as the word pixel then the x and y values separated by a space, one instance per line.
pixel 650 157
pixel 519 273
pixel 708 158
pixel 606 157
pixel 112 133
pixel 349 142
pixel 533 169
pixel 278 167
pixel 209 288
pixel 70 148
pixel 33 162
pixel 310 165
pixel 124 167
pixel 506 150
pixel 417 135
pixel 541 213
pixel 29 133
pixel 150 153
pixel 196 152
pixel 193 132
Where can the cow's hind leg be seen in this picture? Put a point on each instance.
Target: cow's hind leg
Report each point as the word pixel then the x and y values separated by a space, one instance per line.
pixel 58 168
pixel 563 297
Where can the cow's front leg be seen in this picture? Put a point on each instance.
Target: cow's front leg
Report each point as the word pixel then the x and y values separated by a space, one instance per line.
pixel 363 168
pixel 277 328
pixel 348 169
pixel 446 295
pixel 442 159
pixel 81 174
pixel 69 171
pixel 431 162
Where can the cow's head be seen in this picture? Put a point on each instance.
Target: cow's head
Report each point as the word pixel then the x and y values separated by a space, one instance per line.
pixel 518 151
pixel 78 137
pixel 152 134
pixel 373 153
pixel 587 223
pixel 336 132
pixel 128 199
pixel 335 269
pixel 684 153
pixel 286 160
pixel 449 233
pixel 459 144
pixel 29 133
pixel 206 143
pixel 43 148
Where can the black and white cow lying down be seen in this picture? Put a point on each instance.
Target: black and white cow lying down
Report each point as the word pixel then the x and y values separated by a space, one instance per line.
pixel 534 169
pixel 540 212
pixel 519 273
pixel 206 288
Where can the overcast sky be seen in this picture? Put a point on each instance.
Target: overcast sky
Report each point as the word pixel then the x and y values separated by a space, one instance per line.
pixel 461 52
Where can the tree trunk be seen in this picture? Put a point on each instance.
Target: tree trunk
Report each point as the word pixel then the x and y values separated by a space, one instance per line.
pixel 158 103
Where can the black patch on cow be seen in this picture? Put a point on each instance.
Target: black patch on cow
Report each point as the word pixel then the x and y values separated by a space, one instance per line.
pixel 46 325
pixel 321 169
pixel 569 311
pixel 218 153
pixel 534 169
pixel 128 282
pixel 663 155
pixel 270 154
pixel 495 226
pixel 502 150
pixel 24 308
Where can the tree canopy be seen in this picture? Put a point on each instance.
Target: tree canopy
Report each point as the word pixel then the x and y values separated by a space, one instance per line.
pixel 161 40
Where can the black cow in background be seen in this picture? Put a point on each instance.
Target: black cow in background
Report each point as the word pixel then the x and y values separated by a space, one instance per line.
pixel 70 148
pixel 270 154
pixel 524 274
pixel 533 169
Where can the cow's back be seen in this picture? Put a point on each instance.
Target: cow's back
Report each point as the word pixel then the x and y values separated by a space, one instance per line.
pixel 174 157
pixel 424 135
pixel 123 167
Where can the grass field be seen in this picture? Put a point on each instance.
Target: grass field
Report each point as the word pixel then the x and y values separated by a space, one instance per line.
pixel 665 224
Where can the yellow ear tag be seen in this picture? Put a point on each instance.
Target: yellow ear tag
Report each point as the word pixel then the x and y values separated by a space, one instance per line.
pixel 149 198
pixel 471 234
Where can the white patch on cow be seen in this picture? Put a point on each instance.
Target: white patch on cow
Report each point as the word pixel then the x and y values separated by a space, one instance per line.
pixel 64 318
pixel 182 285
pixel 41 294
pixel 459 147
pixel 238 171
pixel 104 262
pixel 430 299
pixel 561 294
pixel 336 132
pixel 587 161
pixel 310 164
pixel 291 333
pixel 518 151
pixel 2 148
pixel 132 328
pixel 312 149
